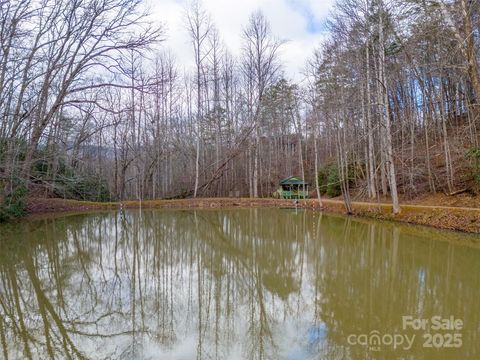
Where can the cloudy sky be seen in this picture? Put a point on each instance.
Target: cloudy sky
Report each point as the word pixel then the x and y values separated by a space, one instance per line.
pixel 300 22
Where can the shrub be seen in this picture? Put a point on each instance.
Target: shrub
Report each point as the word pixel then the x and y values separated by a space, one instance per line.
pixel 89 188
pixel 68 183
pixel 329 181
pixel 333 182
pixel 473 156
pixel 14 202
pixel 323 179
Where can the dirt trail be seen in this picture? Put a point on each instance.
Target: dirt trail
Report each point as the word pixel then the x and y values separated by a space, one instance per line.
pixel 406 205
pixel 465 219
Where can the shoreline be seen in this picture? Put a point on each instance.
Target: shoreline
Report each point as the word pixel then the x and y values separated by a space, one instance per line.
pixel 464 219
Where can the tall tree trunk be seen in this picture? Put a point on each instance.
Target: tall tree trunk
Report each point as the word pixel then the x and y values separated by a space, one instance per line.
pixel 372 191
pixel 386 118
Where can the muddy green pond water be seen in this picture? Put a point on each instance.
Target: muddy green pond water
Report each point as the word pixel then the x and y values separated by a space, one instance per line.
pixel 236 284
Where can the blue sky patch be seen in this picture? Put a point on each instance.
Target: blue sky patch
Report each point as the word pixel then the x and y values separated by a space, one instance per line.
pixel 314 25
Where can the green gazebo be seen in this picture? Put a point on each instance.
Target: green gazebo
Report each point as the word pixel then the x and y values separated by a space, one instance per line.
pixel 293 187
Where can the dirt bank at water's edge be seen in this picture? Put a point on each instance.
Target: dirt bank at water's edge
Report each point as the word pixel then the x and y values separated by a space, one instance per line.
pixel 465 219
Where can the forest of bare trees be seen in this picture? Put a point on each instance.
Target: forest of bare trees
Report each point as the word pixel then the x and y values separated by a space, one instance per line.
pixel 93 106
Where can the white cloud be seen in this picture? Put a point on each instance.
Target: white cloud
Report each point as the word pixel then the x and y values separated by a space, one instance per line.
pixel 290 20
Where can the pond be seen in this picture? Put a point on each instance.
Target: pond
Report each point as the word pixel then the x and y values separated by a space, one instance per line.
pixel 236 284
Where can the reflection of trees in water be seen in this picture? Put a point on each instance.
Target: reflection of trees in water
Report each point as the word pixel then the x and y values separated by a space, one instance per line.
pixel 371 274
pixel 250 254
pixel 75 283
pixel 111 285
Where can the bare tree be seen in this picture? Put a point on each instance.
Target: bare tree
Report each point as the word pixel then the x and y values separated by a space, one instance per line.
pixel 199 27
pixel 260 66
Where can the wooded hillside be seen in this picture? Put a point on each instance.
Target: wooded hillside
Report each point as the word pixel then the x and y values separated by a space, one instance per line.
pixel 93 107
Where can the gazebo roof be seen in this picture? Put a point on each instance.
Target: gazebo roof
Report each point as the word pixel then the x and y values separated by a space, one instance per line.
pixel 293 180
